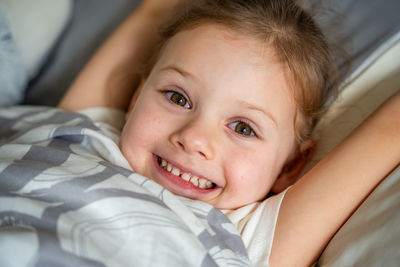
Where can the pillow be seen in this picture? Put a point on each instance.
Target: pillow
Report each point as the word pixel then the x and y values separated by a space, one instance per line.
pixel 347 22
pixel 371 237
pixel 91 24
pixel 368 87
pixel 13 76
pixel 35 26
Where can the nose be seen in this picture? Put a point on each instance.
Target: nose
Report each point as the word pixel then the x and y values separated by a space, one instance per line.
pixel 196 138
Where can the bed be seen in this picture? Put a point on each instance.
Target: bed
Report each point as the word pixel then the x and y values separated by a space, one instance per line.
pixel 88 230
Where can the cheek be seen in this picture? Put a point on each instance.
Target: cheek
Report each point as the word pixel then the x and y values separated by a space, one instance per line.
pixel 145 121
pixel 130 149
pixel 249 174
pixel 142 129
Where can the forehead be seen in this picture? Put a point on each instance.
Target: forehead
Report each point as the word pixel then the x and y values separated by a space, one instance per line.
pixel 234 64
pixel 214 38
pixel 210 46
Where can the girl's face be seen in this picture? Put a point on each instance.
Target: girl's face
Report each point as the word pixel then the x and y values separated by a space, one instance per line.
pixel 214 121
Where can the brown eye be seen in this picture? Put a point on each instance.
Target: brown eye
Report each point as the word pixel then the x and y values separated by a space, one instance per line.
pixel 242 128
pixel 178 99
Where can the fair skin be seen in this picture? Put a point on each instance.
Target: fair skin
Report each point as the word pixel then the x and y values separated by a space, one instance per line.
pixel 200 139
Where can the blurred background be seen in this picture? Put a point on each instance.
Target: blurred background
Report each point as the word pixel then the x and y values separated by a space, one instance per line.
pixel 54 39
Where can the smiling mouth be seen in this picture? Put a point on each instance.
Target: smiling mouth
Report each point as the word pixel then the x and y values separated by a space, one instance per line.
pixel 196 181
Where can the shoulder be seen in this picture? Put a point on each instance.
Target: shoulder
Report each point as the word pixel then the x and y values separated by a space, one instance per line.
pixel 256 224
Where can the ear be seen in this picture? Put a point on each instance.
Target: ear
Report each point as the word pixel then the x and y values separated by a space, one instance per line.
pixel 291 171
pixel 135 97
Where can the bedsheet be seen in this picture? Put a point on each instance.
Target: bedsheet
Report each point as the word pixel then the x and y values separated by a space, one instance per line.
pixel 61 204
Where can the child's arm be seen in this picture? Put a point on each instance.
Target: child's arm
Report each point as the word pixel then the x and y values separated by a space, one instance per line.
pixel 111 76
pixel 323 199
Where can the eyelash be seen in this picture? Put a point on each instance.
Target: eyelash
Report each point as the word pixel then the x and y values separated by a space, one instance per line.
pixel 246 124
pixel 170 94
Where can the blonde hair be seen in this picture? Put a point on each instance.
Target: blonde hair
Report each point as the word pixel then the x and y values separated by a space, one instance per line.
pixel 297 40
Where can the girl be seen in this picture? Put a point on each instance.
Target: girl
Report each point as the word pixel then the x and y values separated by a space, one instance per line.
pixel 223 114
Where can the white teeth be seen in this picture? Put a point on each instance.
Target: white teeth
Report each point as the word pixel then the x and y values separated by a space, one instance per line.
pixel 163 163
pixel 169 167
pixel 185 176
pixel 202 183
pixel 176 171
pixel 196 181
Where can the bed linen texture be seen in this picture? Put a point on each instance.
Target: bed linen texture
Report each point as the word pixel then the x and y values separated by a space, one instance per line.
pixel 66 201
pixel 255 222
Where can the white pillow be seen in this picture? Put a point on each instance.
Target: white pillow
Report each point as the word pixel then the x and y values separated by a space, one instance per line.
pixel 35 26
pixel 368 87
pixel 371 237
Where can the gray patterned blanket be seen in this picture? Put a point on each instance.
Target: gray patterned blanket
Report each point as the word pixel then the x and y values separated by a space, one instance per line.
pixel 62 204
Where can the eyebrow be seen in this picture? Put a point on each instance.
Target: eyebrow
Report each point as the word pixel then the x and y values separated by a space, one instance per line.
pixel 258 109
pixel 179 70
pixel 240 102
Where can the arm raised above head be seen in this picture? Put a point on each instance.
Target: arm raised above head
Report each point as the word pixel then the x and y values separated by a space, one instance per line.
pixel 325 197
pixel 111 76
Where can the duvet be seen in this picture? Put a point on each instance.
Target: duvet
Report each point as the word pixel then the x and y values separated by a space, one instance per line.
pixel 64 204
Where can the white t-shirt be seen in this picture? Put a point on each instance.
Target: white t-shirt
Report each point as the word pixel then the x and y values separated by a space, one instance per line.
pixel 255 222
